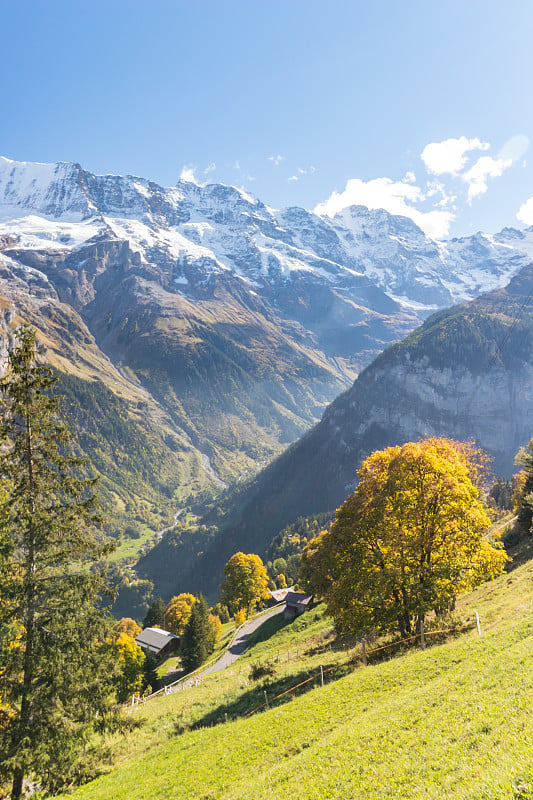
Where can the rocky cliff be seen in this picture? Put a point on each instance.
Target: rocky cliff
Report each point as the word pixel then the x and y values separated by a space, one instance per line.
pixel 466 373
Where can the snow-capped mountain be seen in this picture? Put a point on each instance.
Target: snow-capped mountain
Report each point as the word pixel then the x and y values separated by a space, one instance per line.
pixel 203 230
pixel 239 320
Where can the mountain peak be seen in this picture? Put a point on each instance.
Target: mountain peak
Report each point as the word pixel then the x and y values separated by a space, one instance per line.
pixel 53 190
pixel 206 229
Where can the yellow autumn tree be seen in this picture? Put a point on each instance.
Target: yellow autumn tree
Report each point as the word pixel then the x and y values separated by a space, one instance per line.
pixel 127 625
pixel 245 583
pixel 407 541
pixel 178 612
pixel 130 662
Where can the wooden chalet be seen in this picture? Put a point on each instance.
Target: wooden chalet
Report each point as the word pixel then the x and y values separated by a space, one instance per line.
pixel 297 603
pixel 157 641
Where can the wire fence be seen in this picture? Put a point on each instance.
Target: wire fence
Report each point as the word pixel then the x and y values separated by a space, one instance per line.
pixel 365 655
pixel 194 678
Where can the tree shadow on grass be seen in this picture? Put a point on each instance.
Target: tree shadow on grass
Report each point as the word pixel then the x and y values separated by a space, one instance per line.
pixel 279 690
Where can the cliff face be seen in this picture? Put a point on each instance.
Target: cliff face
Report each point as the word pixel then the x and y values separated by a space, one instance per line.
pixel 466 373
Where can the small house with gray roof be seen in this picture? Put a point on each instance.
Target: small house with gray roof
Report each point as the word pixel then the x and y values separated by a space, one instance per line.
pixel 297 603
pixel 157 641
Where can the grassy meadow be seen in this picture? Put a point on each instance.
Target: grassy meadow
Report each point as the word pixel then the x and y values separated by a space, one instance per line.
pixel 452 721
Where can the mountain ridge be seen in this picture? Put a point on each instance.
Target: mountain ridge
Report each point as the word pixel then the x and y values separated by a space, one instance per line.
pixel 230 324
pixel 466 373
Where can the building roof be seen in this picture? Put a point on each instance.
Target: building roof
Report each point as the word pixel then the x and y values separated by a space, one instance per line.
pixel 279 594
pixel 298 599
pixel 154 639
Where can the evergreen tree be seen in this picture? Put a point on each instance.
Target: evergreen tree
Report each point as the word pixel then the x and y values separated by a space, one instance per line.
pixel 524 459
pixel 150 679
pixel 198 640
pixel 155 616
pixel 55 664
pixel 501 492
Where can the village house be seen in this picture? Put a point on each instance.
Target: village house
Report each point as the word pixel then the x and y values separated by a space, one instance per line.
pixel 157 641
pixel 296 603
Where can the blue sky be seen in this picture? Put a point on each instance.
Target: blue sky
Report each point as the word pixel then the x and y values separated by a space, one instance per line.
pixel 318 104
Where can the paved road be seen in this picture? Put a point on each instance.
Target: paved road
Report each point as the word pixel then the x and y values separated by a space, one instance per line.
pixel 239 645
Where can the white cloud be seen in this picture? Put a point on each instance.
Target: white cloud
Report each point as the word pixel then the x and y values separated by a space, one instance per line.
pixel 525 212
pixel 438 189
pixel 395 197
pixel 210 168
pixel 434 202
pixel 515 147
pixel 449 156
pixel 187 174
pixel 276 159
pixel 293 178
pixel 484 168
pixel 306 170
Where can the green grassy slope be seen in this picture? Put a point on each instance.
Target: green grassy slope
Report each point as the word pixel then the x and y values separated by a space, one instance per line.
pixel 452 721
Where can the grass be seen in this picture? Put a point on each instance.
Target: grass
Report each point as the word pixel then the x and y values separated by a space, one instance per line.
pixel 129 549
pixel 452 721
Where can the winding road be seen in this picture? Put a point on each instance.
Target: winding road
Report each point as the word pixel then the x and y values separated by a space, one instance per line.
pixel 238 646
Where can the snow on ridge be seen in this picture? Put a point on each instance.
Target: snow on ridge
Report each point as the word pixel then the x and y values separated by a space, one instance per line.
pixel 224 228
pixel 39 233
pixel 141 237
pixel 25 183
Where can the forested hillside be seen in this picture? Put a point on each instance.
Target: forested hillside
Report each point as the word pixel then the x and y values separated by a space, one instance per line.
pixel 466 373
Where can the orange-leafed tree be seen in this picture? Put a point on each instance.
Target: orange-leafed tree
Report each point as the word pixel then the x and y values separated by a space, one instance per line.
pixel 407 541
pixel 127 625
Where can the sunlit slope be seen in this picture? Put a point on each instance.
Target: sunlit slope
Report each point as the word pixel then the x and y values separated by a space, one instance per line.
pixel 466 373
pixel 450 722
pixel 148 466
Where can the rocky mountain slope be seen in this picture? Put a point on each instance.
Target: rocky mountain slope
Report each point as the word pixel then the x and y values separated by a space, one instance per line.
pixel 222 324
pixel 466 373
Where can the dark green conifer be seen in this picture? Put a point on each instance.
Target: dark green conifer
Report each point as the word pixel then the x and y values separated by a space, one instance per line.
pixel 150 679
pixel 524 459
pixel 54 661
pixel 155 616
pixel 198 640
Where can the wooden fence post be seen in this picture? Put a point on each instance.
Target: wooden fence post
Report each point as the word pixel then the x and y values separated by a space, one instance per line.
pixel 478 624
pixel 322 675
pixel 266 698
pixel 422 637
pixel 363 645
